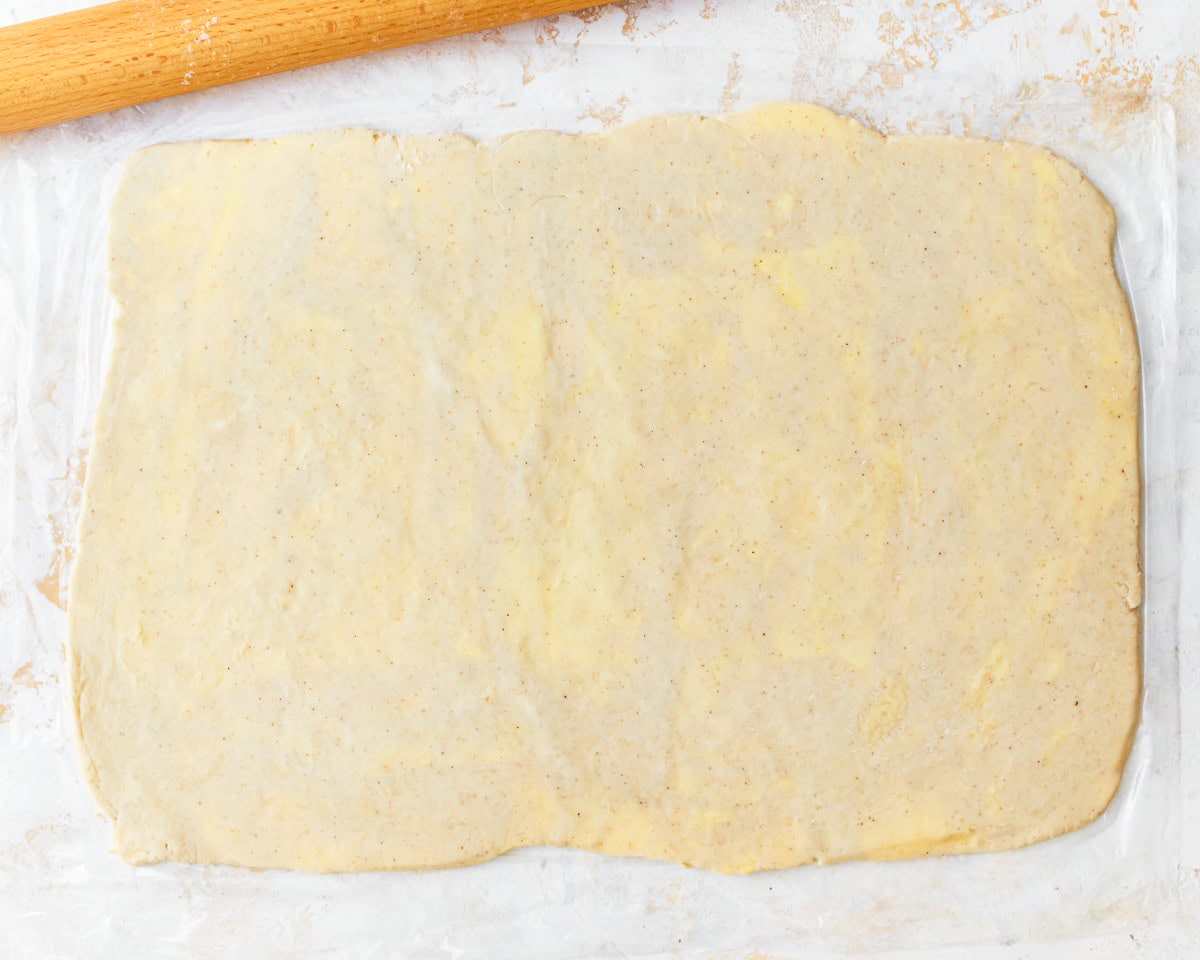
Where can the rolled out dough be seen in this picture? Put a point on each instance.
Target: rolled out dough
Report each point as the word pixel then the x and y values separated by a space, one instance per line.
pixel 740 493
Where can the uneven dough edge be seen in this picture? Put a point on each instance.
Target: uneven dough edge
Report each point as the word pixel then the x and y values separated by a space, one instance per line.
pixel 136 851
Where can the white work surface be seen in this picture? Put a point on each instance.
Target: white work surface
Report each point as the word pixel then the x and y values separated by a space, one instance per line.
pixel 1113 84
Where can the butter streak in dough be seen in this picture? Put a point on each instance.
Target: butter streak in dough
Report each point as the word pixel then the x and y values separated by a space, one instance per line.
pixel 740 493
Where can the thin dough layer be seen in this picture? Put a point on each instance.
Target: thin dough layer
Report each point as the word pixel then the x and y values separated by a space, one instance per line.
pixel 740 493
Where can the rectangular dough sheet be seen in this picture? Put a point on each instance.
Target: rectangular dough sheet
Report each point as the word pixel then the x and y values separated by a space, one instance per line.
pixel 741 493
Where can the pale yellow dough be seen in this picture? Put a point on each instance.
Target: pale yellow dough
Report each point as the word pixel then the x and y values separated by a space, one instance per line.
pixel 741 493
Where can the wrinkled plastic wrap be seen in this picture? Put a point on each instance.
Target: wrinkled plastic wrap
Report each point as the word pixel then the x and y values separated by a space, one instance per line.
pixel 62 894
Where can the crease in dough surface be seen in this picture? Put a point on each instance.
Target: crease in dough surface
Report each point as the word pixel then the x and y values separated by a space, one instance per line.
pixel 741 493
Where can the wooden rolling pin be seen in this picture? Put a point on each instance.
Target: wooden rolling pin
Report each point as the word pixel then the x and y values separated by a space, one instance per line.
pixel 134 51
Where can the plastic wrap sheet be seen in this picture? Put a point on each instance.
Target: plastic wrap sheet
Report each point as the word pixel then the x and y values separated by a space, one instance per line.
pixel 63 895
